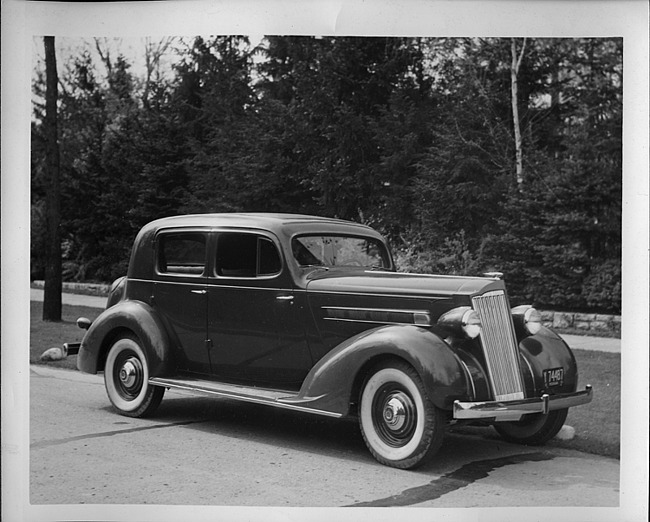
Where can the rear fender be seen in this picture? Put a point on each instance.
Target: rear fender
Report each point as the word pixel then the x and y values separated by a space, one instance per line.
pixel 332 383
pixel 126 317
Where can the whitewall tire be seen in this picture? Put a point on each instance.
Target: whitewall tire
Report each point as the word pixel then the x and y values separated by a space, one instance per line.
pixel 126 377
pixel 400 425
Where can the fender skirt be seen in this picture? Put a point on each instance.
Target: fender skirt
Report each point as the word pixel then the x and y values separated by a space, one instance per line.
pixel 329 386
pixel 126 316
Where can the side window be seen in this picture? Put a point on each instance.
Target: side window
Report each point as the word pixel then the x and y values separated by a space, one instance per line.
pixel 246 255
pixel 181 253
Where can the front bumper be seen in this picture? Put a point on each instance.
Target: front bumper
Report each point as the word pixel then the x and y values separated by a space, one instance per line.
pixel 514 410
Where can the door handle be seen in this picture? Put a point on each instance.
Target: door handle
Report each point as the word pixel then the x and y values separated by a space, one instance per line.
pixel 200 292
pixel 284 298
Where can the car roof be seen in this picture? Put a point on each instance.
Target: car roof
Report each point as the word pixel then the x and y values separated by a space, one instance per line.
pixel 283 226
pixel 257 220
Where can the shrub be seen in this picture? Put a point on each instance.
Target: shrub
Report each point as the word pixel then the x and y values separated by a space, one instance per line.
pixel 454 256
pixel 601 288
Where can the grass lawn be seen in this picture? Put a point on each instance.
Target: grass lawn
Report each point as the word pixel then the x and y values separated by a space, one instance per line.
pixel 44 335
pixel 597 425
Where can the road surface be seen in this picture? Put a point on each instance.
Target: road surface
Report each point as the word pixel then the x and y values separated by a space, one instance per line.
pixel 206 451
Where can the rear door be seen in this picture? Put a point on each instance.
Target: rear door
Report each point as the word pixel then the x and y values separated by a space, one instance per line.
pixel 180 295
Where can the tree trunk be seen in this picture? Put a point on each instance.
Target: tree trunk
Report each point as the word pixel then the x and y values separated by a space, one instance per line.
pixel 514 71
pixel 53 277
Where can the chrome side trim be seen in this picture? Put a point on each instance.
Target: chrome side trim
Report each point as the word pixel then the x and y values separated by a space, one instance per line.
pixel 275 398
pixel 509 411
pixel 371 322
pixel 377 315
pixel 193 282
pixel 239 287
pixel 370 294
pixel 399 310
pixel 207 283
pixel 431 276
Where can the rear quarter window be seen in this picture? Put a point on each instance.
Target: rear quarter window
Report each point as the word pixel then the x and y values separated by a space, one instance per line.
pixel 182 254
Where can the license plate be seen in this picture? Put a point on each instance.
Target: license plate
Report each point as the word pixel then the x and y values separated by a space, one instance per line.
pixel 554 377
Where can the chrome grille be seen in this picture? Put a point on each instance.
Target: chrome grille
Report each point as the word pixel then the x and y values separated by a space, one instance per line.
pixel 499 345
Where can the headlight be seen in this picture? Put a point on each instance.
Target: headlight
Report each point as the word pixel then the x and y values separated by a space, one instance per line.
pixel 461 321
pixel 527 317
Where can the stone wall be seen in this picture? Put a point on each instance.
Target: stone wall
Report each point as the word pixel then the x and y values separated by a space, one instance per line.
pixel 80 288
pixel 581 321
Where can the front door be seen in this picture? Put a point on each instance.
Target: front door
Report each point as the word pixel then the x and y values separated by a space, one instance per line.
pixel 254 327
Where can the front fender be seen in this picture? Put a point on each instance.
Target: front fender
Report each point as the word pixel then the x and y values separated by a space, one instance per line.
pixel 125 317
pixel 330 384
pixel 547 350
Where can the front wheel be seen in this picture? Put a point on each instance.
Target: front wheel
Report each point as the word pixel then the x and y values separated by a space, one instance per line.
pixel 126 377
pixel 399 424
pixel 535 429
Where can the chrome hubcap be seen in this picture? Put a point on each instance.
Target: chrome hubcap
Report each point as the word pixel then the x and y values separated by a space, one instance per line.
pixel 395 413
pixel 128 373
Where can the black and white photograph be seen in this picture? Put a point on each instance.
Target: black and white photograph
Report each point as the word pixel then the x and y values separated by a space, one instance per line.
pixel 324 260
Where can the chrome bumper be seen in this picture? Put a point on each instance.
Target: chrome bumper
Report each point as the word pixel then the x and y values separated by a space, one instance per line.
pixel 514 410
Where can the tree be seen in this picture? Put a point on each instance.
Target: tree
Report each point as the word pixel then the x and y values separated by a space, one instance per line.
pixel 463 175
pixel 216 107
pixel 517 57
pixel 154 52
pixel 336 91
pixel 422 138
pixel 122 164
pixel 559 241
pixel 53 277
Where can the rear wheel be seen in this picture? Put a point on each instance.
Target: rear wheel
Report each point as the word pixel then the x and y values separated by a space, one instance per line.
pixel 400 425
pixel 535 429
pixel 126 377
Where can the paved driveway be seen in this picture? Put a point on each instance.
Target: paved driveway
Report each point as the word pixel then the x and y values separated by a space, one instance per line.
pixel 216 452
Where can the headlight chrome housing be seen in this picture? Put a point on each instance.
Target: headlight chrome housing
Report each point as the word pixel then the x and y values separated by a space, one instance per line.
pixel 461 321
pixel 528 318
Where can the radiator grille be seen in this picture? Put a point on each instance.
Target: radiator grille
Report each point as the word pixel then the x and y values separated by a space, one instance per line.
pixel 499 345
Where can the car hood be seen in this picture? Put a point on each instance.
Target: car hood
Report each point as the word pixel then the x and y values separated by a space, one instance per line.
pixel 398 283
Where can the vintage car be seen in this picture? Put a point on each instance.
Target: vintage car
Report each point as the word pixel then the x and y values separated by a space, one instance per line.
pixel 309 314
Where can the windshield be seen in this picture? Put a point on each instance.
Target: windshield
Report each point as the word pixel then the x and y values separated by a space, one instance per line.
pixel 332 251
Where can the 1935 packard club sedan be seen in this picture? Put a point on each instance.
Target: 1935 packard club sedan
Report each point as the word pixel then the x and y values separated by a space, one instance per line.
pixel 309 314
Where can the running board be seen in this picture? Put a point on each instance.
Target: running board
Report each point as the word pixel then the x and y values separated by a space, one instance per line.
pixel 276 398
